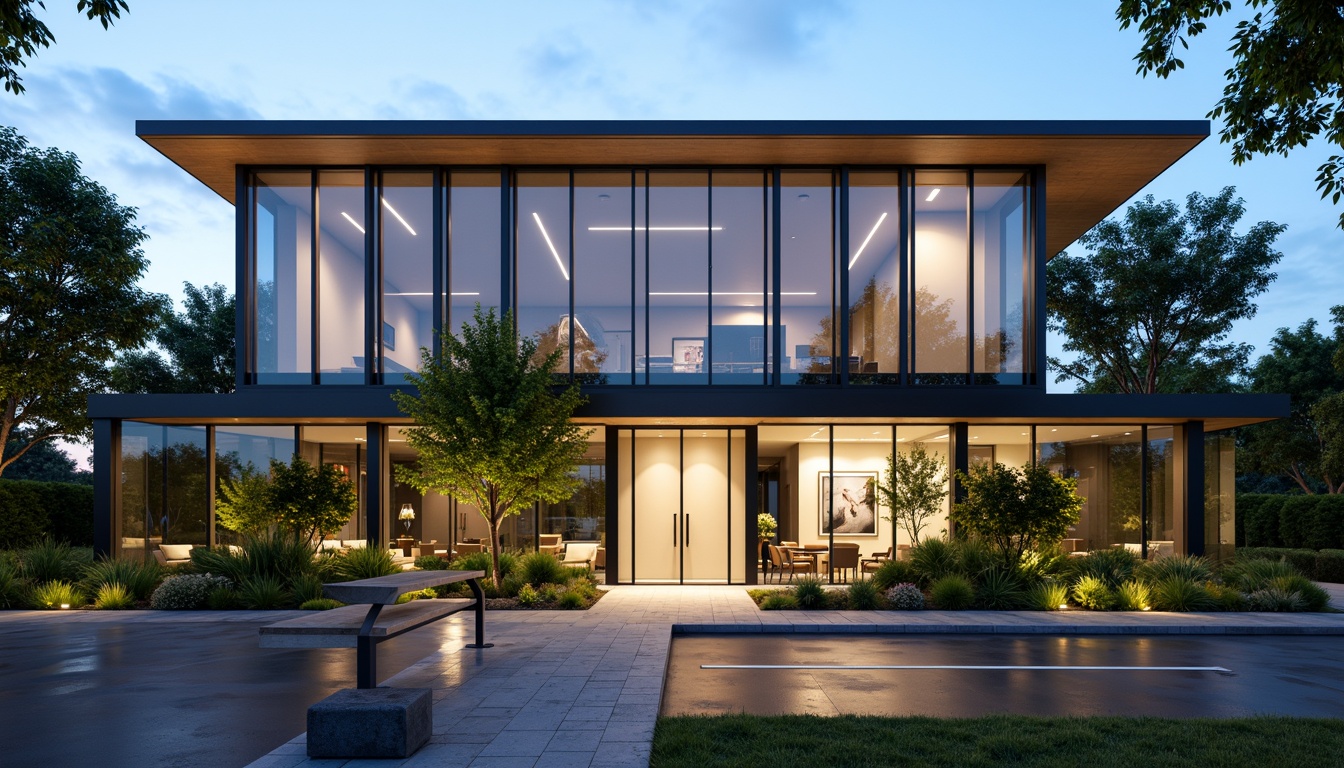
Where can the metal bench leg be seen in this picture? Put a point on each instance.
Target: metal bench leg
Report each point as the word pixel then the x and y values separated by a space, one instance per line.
pixel 480 615
pixel 366 651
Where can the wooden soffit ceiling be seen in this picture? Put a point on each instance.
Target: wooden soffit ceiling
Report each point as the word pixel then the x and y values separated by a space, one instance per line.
pixel 1092 167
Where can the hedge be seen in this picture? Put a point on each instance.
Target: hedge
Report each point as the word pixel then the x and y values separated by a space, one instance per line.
pixel 31 510
pixel 1294 522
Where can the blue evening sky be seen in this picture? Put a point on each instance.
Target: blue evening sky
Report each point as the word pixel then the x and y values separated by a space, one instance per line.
pixel 646 59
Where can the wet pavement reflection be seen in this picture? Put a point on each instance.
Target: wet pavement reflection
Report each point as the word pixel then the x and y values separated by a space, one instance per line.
pixel 1301 676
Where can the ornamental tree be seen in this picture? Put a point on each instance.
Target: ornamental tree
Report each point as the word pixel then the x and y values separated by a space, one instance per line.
pixel 1017 510
pixel 914 489
pixel 70 258
pixel 311 501
pixel 243 504
pixel 490 430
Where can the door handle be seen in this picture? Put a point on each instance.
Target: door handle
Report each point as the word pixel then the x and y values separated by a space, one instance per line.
pixel 686 528
pixel 674 529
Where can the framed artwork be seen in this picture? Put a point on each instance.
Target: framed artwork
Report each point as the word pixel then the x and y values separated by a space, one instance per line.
pixel 851 507
pixel 688 354
pixel 389 337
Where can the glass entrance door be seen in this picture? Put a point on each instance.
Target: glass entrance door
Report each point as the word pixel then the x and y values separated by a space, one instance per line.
pixel 682 504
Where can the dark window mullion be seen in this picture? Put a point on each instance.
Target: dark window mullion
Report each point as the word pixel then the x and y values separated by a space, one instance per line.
pixel 843 319
pixel 315 297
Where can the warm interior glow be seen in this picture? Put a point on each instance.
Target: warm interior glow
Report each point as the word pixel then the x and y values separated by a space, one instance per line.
pixel 353 222
pixel 393 211
pixel 551 245
pixel 729 293
pixel 871 232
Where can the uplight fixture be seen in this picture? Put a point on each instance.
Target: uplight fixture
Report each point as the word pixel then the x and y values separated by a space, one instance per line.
pixel 393 211
pixel 65 606
pixel 353 222
pixel 871 232
pixel 933 194
pixel 551 245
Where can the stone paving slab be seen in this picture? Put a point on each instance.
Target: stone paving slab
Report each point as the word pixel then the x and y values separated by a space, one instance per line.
pixel 583 688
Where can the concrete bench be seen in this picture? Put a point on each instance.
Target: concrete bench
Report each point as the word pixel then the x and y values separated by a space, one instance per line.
pixel 362 629
pixel 369 721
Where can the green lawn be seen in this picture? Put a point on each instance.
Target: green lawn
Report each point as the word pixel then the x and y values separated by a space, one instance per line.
pixel 1096 742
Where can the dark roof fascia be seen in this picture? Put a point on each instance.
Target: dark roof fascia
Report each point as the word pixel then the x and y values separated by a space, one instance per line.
pixel 793 403
pixel 529 128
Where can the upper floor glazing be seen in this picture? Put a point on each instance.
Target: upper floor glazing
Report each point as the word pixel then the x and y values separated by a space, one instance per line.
pixel 648 276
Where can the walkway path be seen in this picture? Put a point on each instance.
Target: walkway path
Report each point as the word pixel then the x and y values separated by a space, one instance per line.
pixel 582 688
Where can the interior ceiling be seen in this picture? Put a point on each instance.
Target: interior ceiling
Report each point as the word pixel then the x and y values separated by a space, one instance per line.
pixel 1090 170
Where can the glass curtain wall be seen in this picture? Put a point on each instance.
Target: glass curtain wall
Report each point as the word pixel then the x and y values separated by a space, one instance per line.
pixel 874 262
pixel 340 277
pixel 474 246
pixel 1106 462
pixel 602 328
pixel 243 451
pixel 678 277
pixel 939 277
pixel 1001 242
pixel 1163 519
pixel 343 448
pixel 406 240
pixel 544 267
pixel 738 258
pixel 807 331
pixel 282 231
pixel 1220 495
pixel 165 490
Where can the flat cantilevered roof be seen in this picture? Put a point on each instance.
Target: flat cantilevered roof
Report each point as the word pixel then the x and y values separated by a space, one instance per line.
pixel 1092 166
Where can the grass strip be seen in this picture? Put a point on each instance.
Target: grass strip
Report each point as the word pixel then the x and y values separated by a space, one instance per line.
pixel 1096 742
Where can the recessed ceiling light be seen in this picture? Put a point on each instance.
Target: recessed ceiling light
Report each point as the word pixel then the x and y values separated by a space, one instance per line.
pixel 352 221
pixel 393 211
pixel 933 194
pixel 1054 430
pixel 604 197
pixel 1129 433
pixel 804 196
pixel 1096 435
pixel 656 229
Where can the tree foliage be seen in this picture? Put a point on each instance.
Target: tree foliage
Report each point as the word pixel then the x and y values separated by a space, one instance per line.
pixel 44 462
pixel 198 343
pixel 243 504
pixel 914 489
pixel 1150 309
pixel 310 500
pixel 70 256
pixel 490 432
pixel 1017 510
pixel 22 33
pixel 1299 364
pixel 1283 88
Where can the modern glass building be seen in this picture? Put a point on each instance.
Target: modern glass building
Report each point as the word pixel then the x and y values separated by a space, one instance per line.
pixel 759 313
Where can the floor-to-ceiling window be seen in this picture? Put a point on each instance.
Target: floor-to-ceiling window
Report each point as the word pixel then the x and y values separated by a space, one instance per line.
pixel 282 231
pixel 406 244
pixel 165 489
pixel 247 450
pixel 874 263
pixel 474 215
pixel 807 276
pixel 340 277
pixel 939 279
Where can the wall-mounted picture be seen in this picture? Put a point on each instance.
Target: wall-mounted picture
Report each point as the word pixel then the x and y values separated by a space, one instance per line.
pixel 688 354
pixel 852 508
pixel 389 336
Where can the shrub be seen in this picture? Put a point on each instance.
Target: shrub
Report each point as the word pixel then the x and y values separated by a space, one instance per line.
pixel 1112 565
pixel 527 596
pixel 974 557
pixel 508 562
pixel 585 588
pixel 366 563
pixel 50 560
pixel 54 594
pixel 264 593
pixel 933 559
pixel 320 604
pixel 1133 595
pixel 1313 597
pixel 863 596
pixel 1176 593
pixel 905 597
pixel 1047 596
pixel 306 587
pixel 427 593
pixel 511 584
pixel 1227 598
pixel 113 597
pixel 1016 509
pixel 539 568
pixel 548 593
pixel 139 577
pixel 1258 519
pixel 13 589
pixel 809 592
pixel 223 599
pixel 779 601
pixel 999 590
pixel 952 592
pixel 69 511
pixel 431 563
pixel 569 601
pixel 1043 564
pixel 185 592
pixel 1329 566
pixel 221 561
pixel 1274 600
pixel 893 572
pixel 1192 567
pixel 1093 593
pixel 476 561
pixel 1312 522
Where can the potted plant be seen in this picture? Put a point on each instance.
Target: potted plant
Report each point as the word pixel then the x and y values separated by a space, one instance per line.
pixel 765 531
